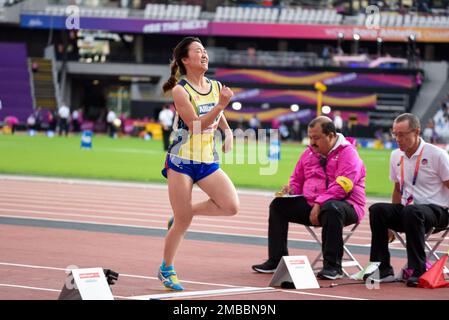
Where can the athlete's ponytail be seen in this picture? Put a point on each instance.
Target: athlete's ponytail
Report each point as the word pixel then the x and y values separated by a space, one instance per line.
pixel 177 67
pixel 173 80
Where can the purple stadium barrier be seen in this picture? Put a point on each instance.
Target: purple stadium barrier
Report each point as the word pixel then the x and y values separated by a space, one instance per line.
pixel 15 89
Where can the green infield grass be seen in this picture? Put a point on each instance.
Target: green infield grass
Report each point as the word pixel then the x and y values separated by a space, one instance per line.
pixel 134 159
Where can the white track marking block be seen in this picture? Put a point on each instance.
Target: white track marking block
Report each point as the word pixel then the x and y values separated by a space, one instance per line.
pixel 92 284
pixel 295 269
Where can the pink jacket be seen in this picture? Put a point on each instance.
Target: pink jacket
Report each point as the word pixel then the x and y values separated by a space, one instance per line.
pixel 343 163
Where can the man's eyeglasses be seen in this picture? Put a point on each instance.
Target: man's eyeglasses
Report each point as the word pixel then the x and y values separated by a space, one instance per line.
pixel 396 135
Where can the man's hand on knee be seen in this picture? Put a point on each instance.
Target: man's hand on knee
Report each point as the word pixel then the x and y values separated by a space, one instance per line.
pixel 314 215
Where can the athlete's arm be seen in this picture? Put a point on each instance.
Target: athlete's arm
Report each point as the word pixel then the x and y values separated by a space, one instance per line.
pixel 229 138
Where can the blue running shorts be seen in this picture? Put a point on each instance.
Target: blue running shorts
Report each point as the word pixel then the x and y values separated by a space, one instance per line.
pixel 195 170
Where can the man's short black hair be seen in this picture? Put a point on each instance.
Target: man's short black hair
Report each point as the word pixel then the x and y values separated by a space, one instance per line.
pixel 327 126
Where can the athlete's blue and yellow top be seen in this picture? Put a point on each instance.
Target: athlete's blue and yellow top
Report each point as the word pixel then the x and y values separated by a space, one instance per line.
pixel 196 145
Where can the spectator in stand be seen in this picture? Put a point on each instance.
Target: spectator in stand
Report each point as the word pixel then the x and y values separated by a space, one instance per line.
pixel 284 132
pixel 325 55
pixel 64 116
pixel 338 122
pixel 296 129
pixel 241 123
pixel 429 134
pixel 38 118
pixel 254 124
pixel 12 123
pixel 110 118
pixel 252 56
pixel 166 117
pixel 31 122
pixel 35 67
pixel 76 123
pixel 419 80
pixel 52 118
pixel 275 123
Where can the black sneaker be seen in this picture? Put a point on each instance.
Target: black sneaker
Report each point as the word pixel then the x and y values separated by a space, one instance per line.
pixel 268 266
pixel 381 275
pixel 330 274
pixel 412 281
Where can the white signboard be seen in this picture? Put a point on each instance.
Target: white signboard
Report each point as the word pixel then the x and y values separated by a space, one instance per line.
pixel 295 269
pixel 92 284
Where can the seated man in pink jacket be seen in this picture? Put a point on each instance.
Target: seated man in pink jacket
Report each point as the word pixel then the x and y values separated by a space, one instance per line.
pixel 330 181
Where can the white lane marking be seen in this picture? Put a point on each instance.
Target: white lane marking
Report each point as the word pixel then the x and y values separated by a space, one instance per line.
pixel 134 212
pixel 322 295
pixel 226 294
pixel 121 274
pixel 174 295
pixel 28 287
pixel 41 289
pixel 132 184
pixel 126 211
pixel 115 183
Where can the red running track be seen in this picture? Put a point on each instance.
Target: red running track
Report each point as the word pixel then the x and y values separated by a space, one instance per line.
pixel 50 224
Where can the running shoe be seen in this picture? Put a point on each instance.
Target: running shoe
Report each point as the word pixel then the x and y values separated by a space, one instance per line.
pixel 169 280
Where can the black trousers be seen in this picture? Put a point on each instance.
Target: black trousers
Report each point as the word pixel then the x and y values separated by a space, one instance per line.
pixel 334 215
pixel 111 129
pixel 63 126
pixel 414 220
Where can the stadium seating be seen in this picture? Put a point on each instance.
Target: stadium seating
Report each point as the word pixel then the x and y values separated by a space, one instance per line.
pixel 259 14
pixel 247 14
pixel 309 16
pixel 393 19
pixel 6 3
pixel 90 12
pixel 44 83
pixel 172 11
pixel 15 89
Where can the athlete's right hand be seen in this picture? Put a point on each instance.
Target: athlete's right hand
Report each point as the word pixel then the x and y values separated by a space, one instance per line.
pixel 225 96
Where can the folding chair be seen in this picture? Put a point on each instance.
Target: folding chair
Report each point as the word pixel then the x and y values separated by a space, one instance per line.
pixel 431 251
pixel 348 259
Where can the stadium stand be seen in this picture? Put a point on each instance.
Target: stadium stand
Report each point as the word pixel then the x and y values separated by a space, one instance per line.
pixel 390 19
pixel 89 12
pixel 15 87
pixel 274 53
pixel 172 11
pixel 254 14
pixel 43 83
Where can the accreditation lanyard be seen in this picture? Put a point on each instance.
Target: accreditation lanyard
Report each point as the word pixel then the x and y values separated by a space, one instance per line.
pixel 415 175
